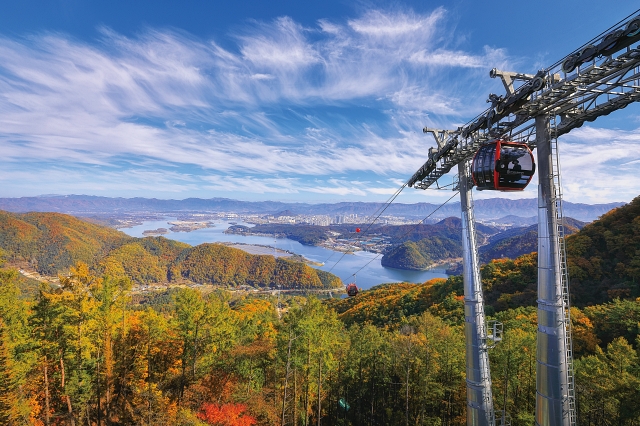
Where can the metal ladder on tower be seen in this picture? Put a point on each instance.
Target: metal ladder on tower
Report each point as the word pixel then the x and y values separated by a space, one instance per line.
pixel 564 273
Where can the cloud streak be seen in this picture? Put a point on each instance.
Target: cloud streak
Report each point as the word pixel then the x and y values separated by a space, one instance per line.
pixel 329 109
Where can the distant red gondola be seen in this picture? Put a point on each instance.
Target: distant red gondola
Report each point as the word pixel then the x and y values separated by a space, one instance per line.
pixel 503 166
pixel 352 289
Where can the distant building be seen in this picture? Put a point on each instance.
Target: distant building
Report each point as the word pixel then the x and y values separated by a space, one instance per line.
pixel 319 220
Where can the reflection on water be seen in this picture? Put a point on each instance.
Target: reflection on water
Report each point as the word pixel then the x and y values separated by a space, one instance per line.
pixel 340 264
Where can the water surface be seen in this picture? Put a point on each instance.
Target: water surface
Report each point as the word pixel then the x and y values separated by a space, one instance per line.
pixel 369 272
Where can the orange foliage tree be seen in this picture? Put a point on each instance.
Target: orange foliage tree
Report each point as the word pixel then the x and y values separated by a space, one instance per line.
pixel 226 415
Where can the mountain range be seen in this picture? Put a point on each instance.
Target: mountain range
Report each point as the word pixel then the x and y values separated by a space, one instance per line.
pixel 489 209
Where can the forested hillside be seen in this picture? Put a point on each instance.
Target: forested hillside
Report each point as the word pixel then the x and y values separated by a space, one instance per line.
pixel 423 253
pixel 219 264
pixel 85 353
pixel 146 260
pixel 389 304
pixel 518 241
pixel 51 243
pixel 419 247
pixel 604 257
pixel 407 255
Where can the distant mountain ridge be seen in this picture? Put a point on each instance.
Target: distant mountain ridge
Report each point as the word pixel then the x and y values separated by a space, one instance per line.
pixel 493 208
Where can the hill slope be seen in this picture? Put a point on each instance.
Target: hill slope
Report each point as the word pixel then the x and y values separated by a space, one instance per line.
pixel 53 242
pixel 419 247
pixel 604 257
pixel 518 241
pixel 392 303
pixel 146 260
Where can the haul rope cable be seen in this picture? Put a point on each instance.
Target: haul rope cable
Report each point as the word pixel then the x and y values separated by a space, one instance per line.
pixel 369 225
pixel 384 207
pixel 372 220
pixel 590 42
pixel 410 231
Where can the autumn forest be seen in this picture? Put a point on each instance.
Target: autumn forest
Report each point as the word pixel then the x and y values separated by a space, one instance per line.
pixel 92 350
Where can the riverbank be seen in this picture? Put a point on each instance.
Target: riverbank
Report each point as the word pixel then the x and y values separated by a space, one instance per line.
pixel 266 250
pixel 445 264
pixel 366 264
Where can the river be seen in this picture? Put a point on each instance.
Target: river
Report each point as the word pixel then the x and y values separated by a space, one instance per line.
pixel 340 264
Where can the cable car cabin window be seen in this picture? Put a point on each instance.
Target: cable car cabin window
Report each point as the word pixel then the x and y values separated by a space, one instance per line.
pixel 487 167
pixel 483 167
pixel 514 167
pixel 504 166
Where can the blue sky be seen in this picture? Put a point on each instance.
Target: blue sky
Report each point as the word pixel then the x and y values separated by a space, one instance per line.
pixel 278 100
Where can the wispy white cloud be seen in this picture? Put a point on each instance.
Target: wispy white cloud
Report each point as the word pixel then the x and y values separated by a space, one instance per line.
pixel 382 191
pixel 449 58
pixel 600 164
pixel 378 24
pixel 416 97
pixel 280 46
pixel 282 111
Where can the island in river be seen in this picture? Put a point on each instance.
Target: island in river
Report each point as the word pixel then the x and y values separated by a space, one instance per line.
pixel 188 226
pixel 155 232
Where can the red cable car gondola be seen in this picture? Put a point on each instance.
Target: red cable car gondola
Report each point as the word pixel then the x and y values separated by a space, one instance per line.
pixel 503 166
pixel 352 289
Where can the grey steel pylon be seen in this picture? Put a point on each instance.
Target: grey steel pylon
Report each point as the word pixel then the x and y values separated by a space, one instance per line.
pixel 593 80
pixel 555 399
pixel 480 410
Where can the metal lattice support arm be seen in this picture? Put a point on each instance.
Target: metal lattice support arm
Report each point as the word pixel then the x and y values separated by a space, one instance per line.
pixel 602 81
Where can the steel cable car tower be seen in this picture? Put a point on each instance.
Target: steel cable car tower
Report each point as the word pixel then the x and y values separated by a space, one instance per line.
pixel 600 77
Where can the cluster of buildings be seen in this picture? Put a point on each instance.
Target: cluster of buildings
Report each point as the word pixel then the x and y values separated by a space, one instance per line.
pixel 323 220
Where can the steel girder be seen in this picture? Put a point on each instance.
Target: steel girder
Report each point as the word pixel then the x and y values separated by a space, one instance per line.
pixel 585 85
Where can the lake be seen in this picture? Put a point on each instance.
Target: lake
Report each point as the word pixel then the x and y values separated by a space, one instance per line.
pixel 367 265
